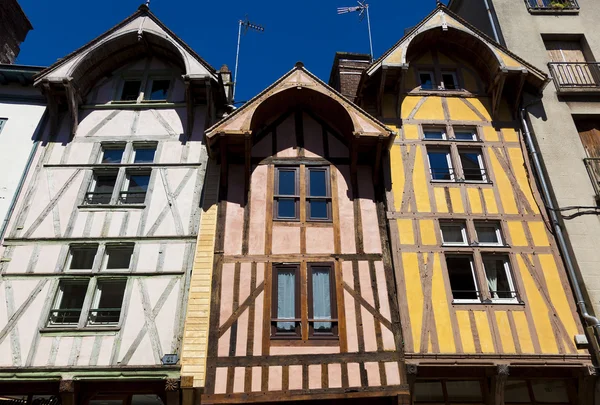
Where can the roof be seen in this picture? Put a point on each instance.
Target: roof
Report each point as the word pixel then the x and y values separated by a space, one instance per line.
pixel 22 74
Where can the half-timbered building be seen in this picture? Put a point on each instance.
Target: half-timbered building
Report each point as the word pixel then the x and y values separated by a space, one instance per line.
pixel 487 313
pixel 96 263
pixel 299 277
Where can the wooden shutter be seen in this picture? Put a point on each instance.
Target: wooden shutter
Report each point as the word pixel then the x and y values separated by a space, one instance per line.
pixel 589 131
pixel 565 51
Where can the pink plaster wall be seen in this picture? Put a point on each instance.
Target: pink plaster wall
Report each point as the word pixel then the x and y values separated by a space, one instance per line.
pixel 258 311
pixel 354 375
pixel 295 378
pixel 258 198
pixel 286 138
pixel 334 372
pixel 368 209
pixel 221 380
pixel 314 376
pixel 392 373
pixel 294 350
pixel 351 326
pixel 319 240
pixel 226 306
pixel 384 303
pixel 346 210
pixel 238 379
pixel 286 239
pixel 256 379
pixel 234 219
pixel 275 378
pixel 336 148
pixel 373 374
pixel 313 137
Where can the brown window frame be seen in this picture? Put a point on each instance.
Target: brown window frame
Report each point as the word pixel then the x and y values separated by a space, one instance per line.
pixel 332 298
pixel 275 334
pixel 327 198
pixel 277 196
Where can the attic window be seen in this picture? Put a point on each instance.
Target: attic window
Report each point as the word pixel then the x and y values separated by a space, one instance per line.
pixel 449 81
pixel 159 89
pixel 427 81
pixel 131 90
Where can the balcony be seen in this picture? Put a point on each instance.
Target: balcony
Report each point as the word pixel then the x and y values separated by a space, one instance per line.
pixel 576 77
pixel 593 167
pixel 552 6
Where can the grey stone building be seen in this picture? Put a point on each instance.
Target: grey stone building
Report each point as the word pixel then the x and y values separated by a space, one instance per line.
pixel 561 37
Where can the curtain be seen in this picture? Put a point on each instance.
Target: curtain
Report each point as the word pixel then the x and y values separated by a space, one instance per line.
pixel 491 271
pixel 286 299
pixel 321 297
pixel 452 233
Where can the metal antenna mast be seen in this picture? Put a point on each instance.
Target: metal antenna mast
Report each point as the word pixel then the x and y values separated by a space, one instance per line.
pixel 363 9
pixel 246 25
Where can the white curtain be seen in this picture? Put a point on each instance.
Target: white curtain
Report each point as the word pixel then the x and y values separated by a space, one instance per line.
pixel 491 271
pixel 286 299
pixel 452 233
pixel 321 297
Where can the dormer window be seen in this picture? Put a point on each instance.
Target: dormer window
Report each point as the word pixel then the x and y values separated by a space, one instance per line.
pixel 449 81
pixel 427 80
pixel 131 90
pixel 159 89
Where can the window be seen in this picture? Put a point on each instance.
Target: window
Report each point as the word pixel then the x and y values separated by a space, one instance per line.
pixel 136 187
pixel 440 164
pixel 540 391
pixel 449 81
pixel 286 193
pixel 103 185
pixel 159 89
pixel 435 134
pixel 318 195
pixel 68 303
pixel 427 81
pixel 118 257
pixel 499 278
pixel 465 134
pixel 131 90
pixel 454 233
pixel 463 281
pixel 144 153
pixel 108 299
pixel 472 165
pixel 82 257
pixel 2 122
pixel 489 233
pixel 321 298
pixel 112 153
pixel 286 301
pixel 448 392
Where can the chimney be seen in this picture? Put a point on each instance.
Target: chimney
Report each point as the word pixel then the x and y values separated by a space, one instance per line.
pixel 14 27
pixel 346 72
pixel 227 83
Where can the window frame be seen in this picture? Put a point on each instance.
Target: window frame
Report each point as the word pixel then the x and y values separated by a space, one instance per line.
pixel 452 171
pixel 498 229
pixel 464 129
pixel 148 90
pixel 91 193
pixel 327 198
pixel 97 296
pixel 104 146
pixel 509 275
pixel 124 189
pixel 132 78
pixel 433 128
pixel 480 160
pixel 88 246
pixel 275 334
pixel 116 246
pixel 454 75
pixel 334 334
pixel 295 197
pixel 431 73
pixel 464 232
pixel 478 291
pixel 3 122
pixel 143 146
pixel 58 296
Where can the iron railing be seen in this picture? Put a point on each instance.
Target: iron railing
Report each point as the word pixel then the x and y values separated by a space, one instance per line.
pixel 104 316
pixel 552 5
pixel 125 197
pixel 593 168
pixel 66 316
pixel 576 76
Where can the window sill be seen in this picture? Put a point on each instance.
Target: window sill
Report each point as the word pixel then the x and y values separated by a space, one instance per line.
pixel 492 304
pixel 298 342
pixel 91 330
pixel 102 207
pixel 558 11
pixel 474 245
pixel 444 93
pixel 472 182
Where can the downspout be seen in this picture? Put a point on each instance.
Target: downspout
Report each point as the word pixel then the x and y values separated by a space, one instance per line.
pixel 562 243
pixel 15 196
pixel 492 22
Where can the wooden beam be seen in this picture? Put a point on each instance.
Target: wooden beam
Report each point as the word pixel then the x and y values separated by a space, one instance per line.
pixel 499 383
pixel 497 91
pixel 519 92
pixel 381 91
pixel 73 104
pixel 224 164
pixel 52 107
pixel 377 166
pixel 247 161
pixel 189 100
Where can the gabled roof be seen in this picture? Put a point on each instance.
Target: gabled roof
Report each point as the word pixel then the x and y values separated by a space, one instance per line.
pixel 139 23
pixel 239 122
pixel 444 19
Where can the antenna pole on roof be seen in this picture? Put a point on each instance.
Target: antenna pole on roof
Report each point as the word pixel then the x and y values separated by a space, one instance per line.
pixel 363 10
pixel 246 25
pixel 148 3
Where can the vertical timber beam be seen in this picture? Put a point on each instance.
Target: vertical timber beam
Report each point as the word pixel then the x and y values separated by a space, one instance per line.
pixel 66 390
pixel 377 166
pixel 224 164
pixel 499 383
pixel 247 161
pixel 189 101
pixel 187 390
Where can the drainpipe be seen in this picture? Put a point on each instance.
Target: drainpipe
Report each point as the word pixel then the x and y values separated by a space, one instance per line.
pixel 492 22
pixel 15 196
pixel 562 243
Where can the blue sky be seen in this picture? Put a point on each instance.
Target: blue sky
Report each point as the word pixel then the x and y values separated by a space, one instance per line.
pixel 307 31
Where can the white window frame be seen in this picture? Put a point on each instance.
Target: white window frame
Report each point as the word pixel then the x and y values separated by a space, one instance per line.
pixel 431 73
pixel 472 131
pixel 70 257
pixel 96 301
pixel 143 145
pixel 444 132
pixel 463 232
pixel 454 76
pixel 106 257
pixel 448 160
pixel 484 177
pixel 119 95
pixel 92 187
pixel 498 228
pixel 509 277
pixel 58 298
pixel 148 89
pixel 108 146
pixel 3 122
pixel 473 274
pixel 126 180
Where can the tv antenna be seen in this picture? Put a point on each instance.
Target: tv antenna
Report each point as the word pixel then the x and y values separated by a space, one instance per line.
pixel 363 10
pixel 245 25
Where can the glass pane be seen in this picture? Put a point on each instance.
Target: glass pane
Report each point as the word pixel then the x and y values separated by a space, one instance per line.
pixel 471 167
pixel 131 90
pixel 318 209
pixel 550 391
pixel 434 134
pixel 286 208
pixel 516 391
pixel 426 81
pixel 462 283
pixel 160 89
pixel 287 182
pixel 453 233
pixel 487 234
pixel 465 135
pixel 112 155
pixel 82 258
pixel 464 391
pixel 108 305
pixel 118 258
pixel 73 295
pixel 429 392
pixel 321 289
pixel 144 155
pixel 440 169
pixel 449 82
pixel 105 183
pixel 318 183
pixel 146 400
pixel 497 278
pixel 138 182
pixel 106 402
pixel 286 299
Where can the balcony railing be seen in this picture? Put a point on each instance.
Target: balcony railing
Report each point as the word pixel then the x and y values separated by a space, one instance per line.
pixel 552 5
pixel 593 168
pixel 576 77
